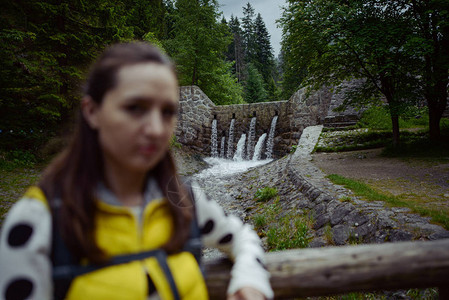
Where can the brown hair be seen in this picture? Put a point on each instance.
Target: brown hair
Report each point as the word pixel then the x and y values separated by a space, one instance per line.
pixel 75 174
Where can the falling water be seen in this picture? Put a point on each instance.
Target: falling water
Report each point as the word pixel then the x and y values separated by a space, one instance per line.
pixel 259 146
pixel 214 150
pixel 251 137
pixel 238 156
pixel 231 139
pixel 222 147
pixel 269 152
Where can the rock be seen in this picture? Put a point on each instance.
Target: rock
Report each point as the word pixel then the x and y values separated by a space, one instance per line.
pixel 340 234
pixel 320 221
pixel 400 235
pixel 340 212
pixel 317 242
pixel 355 218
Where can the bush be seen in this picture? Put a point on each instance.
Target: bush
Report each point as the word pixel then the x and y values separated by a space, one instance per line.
pixel 378 117
pixel 265 194
pixel 17 158
pixel 290 232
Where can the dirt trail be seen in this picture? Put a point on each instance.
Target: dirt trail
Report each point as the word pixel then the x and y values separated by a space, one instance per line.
pixel 411 179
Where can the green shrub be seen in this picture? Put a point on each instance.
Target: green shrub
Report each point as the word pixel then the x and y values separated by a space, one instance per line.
pixel 378 117
pixel 290 232
pixel 260 221
pixel 17 158
pixel 265 194
pixel 174 142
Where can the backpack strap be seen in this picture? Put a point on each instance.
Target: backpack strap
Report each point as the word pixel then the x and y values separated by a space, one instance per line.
pixel 67 273
pixel 194 244
pixel 66 268
pixel 60 256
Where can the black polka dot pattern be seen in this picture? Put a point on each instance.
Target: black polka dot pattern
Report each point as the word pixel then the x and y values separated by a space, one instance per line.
pixel 18 289
pixel 261 263
pixel 19 235
pixel 226 239
pixel 208 227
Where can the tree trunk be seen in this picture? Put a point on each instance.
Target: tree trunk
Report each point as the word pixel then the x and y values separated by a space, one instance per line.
pixel 395 123
pixel 434 122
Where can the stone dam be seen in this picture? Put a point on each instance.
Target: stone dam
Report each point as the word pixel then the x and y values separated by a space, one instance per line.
pixel 197 113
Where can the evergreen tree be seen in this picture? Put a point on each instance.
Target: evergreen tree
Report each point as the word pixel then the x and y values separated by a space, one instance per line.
pixel 254 86
pixel 248 26
pixel 272 91
pixel 198 47
pixel 235 49
pixel 46 47
pixel 145 16
pixel 263 56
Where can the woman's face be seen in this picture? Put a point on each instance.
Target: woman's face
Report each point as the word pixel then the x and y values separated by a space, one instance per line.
pixel 136 119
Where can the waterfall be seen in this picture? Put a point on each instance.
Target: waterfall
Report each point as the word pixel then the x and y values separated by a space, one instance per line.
pixel 269 152
pixel 259 146
pixel 222 147
pixel 251 137
pixel 214 150
pixel 238 156
pixel 231 139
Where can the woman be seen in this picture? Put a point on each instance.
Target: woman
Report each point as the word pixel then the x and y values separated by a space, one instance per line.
pixel 114 193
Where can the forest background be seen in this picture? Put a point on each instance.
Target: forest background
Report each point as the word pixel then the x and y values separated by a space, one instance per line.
pixel 399 49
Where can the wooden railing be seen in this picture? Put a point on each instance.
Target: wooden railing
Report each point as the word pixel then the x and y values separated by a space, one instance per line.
pixel 336 270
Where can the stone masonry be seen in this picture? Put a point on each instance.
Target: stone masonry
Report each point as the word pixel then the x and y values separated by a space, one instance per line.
pixel 197 112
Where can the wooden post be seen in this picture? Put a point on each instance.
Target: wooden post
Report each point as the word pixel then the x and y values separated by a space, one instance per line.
pixel 335 270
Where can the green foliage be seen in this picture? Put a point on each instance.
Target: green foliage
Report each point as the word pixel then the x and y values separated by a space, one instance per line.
pixel 419 145
pixel 45 48
pixel 174 143
pixel 294 147
pixel 353 140
pixel 363 190
pixel 273 92
pixel 198 48
pixel 17 158
pixel 328 235
pixel 254 87
pixel 290 232
pixel 283 231
pixel 265 194
pixel 329 42
pixel 250 51
pixel 151 38
pixel 378 117
pixel 260 221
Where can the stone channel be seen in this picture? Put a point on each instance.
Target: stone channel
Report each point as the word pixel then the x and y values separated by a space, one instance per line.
pixel 303 188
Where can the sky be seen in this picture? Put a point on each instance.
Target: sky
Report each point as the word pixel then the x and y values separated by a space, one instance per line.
pixel 270 10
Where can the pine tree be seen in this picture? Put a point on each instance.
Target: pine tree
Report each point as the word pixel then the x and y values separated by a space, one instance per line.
pixel 236 52
pixel 145 16
pixel 263 58
pixel 198 47
pixel 254 86
pixel 47 46
pixel 248 26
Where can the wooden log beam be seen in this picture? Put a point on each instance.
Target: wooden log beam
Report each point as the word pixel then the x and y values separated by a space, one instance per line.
pixel 335 270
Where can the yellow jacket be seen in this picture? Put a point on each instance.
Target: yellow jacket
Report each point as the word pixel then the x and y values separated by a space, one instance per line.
pixel 119 232
pixel 25 248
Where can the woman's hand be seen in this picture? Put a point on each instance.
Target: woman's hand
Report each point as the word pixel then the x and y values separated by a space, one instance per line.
pixel 247 293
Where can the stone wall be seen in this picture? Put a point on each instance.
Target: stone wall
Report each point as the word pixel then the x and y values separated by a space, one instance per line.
pixel 350 115
pixel 197 112
pixel 194 119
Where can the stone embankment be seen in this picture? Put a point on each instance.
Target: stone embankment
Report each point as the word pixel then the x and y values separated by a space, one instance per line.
pixel 339 216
